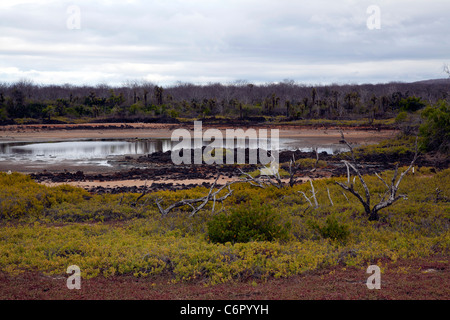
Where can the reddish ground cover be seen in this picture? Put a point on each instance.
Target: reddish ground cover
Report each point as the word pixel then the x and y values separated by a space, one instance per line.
pixel 409 279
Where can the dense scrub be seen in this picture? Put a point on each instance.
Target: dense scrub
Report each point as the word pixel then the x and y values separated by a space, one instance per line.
pixel 436 128
pixel 26 102
pixel 48 229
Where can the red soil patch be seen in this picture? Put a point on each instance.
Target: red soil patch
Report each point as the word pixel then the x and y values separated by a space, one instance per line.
pixel 407 279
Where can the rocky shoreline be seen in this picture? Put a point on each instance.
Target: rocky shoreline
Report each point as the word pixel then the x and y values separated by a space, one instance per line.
pixel 156 172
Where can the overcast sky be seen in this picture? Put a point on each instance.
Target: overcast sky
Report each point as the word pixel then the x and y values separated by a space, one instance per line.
pixel 201 41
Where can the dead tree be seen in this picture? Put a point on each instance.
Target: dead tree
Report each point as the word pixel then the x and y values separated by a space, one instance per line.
pixel 313 196
pixel 272 176
pixel 268 176
pixel 389 198
pixel 275 180
pixel 211 196
pixel 295 168
pixel 447 69
pixel 138 198
pixel 252 180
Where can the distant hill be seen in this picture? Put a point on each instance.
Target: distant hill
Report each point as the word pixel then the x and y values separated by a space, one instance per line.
pixel 434 81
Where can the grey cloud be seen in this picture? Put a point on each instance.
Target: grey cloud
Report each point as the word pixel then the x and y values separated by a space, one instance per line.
pixel 223 40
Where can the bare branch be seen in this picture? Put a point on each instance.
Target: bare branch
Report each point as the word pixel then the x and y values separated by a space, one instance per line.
pixel 385 183
pixel 313 194
pixel 348 173
pixel 253 181
pixel 140 197
pixel 356 194
pixel 306 197
pixel 214 203
pixel 158 203
pixel 366 189
pixel 348 145
pixel 277 183
pixel 292 171
pixel 317 160
pixel 416 154
pixel 345 196
pixel 203 200
pixel 384 204
pixel 392 189
pixel 329 197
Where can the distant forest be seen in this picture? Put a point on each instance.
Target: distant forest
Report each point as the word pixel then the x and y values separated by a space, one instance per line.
pixel 27 102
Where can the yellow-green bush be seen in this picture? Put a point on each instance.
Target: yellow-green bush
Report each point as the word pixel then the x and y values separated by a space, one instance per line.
pixel 101 250
pixel 309 163
pixel 400 147
pixel 332 229
pixel 20 196
pixel 254 222
pixel 144 243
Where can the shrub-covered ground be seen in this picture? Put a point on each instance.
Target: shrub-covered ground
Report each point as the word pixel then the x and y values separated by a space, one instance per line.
pixel 46 229
pixel 405 279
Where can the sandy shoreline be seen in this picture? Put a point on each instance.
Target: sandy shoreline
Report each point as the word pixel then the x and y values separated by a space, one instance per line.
pixel 142 183
pixel 42 133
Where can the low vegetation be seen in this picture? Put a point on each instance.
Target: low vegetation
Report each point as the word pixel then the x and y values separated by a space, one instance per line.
pixel 246 223
pixel 254 233
pixel 244 231
pixel 436 128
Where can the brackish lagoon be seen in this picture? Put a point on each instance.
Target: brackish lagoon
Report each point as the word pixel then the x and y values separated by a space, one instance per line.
pixel 102 152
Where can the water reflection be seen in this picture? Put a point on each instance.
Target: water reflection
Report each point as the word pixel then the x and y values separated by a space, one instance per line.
pixel 109 149
pixel 81 150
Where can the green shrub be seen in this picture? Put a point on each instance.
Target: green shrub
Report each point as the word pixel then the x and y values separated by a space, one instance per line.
pixel 145 243
pixel 436 129
pixel 309 163
pixel 412 104
pixel 401 147
pixel 332 229
pixel 247 223
pixel 401 117
pixel 22 197
pixel 257 173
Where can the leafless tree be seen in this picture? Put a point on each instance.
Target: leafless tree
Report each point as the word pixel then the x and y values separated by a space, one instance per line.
pixel 295 168
pixel 276 181
pixel 262 181
pixel 211 196
pixel 390 196
pixel 273 177
pixel 256 182
pixel 313 196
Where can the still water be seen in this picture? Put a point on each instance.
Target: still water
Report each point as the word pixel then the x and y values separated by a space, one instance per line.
pixel 101 152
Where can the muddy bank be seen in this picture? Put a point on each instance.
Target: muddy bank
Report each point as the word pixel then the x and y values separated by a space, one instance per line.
pixel 159 173
pixel 156 171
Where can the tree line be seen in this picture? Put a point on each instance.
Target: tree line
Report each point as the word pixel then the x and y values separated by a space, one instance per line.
pixel 141 100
